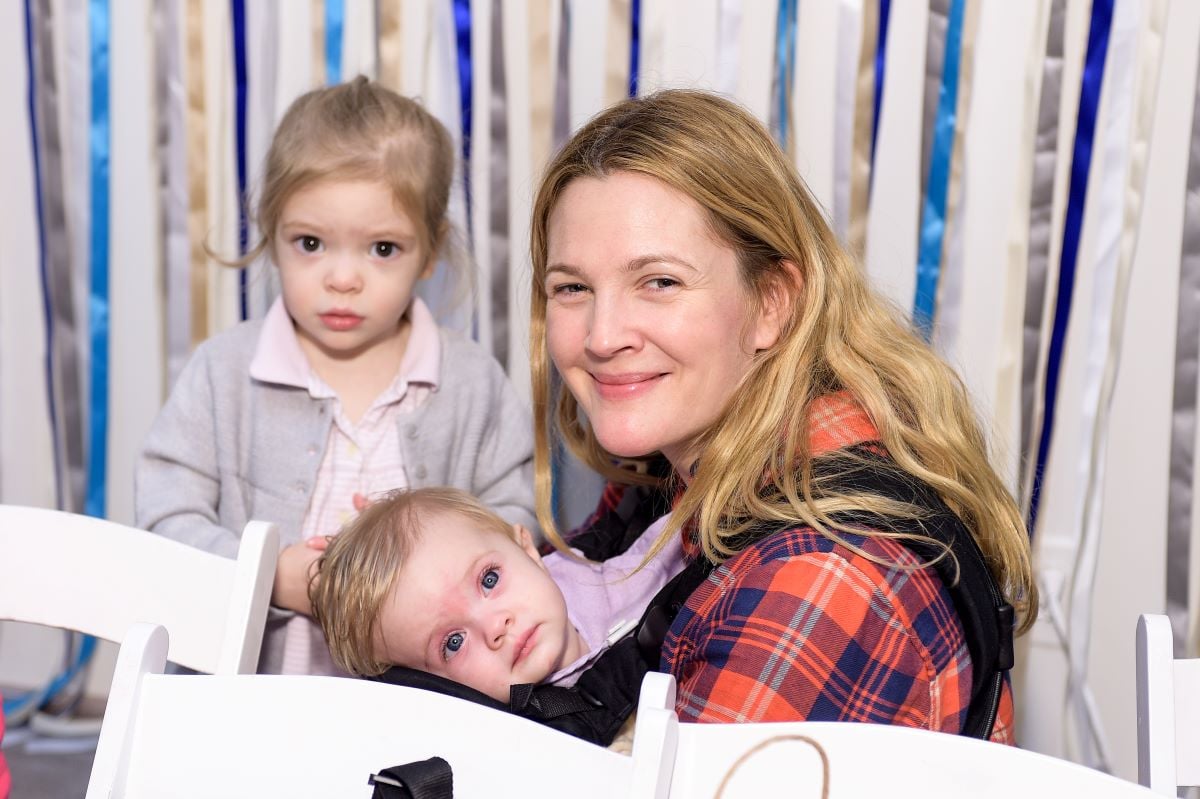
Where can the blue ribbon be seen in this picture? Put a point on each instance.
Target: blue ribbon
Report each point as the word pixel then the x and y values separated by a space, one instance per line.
pixel 885 8
pixel 933 217
pixel 785 58
pixel 635 35
pixel 238 12
pixel 335 15
pixel 98 306
pixel 1081 162
pixel 43 266
pixel 462 39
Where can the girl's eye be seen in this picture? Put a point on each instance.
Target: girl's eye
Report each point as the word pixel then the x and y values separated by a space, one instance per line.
pixel 490 579
pixel 309 243
pixel 453 643
pixel 384 249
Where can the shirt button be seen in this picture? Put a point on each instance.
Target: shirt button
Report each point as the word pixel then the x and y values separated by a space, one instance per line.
pixel 421 472
pixel 300 488
pixel 411 431
pixel 312 450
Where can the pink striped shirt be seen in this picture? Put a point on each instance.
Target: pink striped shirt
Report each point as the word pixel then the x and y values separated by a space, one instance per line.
pixel 360 458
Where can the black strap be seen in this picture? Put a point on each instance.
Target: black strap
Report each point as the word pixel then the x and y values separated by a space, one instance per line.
pixel 424 779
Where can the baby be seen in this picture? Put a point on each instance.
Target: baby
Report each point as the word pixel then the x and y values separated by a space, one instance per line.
pixel 431 579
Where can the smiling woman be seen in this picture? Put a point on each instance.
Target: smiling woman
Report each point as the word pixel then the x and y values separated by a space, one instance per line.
pixel 699 311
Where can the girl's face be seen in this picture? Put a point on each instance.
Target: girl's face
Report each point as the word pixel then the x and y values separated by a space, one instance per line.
pixel 647 320
pixel 348 260
pixel 474 606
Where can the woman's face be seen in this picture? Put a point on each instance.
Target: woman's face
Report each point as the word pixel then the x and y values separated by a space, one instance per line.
pixel 647 319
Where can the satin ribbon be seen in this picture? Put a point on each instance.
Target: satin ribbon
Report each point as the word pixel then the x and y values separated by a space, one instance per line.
pixel 1041 207
pixel 785 70
pixel 933 214
pixel 96 500
pixel 864 123
pixel 1181 490
pixel 635 27
pixel 462 40
pixel 391 43
pixel 728 46
pixel 849 32
pixel 498 249
pixel 238 19
pixel 885 10
pixel 197 181
pixel 335 16
pixel 1085 128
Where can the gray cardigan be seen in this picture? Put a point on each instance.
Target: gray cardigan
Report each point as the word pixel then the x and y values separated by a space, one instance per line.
pixel 226 448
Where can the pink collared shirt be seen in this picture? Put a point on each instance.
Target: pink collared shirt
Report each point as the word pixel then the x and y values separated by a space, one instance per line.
pixel 360 458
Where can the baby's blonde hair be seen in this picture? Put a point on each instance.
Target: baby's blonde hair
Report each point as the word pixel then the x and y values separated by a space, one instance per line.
pixel 357 572
pixel 360 131
pixel 836 336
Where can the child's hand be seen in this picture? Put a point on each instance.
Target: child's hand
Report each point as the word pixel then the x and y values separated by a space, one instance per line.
pixel 295 568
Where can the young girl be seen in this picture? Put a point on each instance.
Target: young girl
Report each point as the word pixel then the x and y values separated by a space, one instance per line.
pixel 347 386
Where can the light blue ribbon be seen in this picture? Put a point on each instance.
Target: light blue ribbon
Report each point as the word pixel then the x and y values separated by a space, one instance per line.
pixel 335 17
pixel 98 305
pixel 933 214
pixel 785 59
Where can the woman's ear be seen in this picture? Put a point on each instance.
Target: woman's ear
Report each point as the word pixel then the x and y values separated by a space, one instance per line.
pixel 524 539
pixel 775 309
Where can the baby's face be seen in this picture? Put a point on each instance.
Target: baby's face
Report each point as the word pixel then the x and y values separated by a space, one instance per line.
pixel 475 606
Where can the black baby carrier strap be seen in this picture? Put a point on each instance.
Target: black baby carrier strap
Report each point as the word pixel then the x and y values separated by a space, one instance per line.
pixel 424 779
pixel 607 692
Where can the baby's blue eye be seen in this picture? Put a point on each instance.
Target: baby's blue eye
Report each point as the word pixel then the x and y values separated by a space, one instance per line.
pixel 454 642
pixel 490 579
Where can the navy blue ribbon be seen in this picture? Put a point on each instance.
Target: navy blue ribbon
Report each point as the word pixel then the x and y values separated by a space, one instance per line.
pixel 635 35
pixel 885 8
pixel 933 214
pixel 1081 163
pixel 43 265
pixel 462 39
pixel 238 12
pixel 98 306
pixel 335 16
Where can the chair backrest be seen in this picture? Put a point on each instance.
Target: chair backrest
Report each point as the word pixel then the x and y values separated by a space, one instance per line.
pixel 1168 710
pixel 99 577
pixel 271 735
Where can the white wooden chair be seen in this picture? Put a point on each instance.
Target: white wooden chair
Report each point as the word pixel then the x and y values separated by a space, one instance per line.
pixel 299 736
pixel 265 735
pixel 1168 710
pixel 99 577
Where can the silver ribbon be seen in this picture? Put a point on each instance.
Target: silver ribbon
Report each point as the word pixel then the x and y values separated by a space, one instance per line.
pixel 498 186
pixel 65 383
pixel 1181 494
pixel 935 53
pixel 1041 208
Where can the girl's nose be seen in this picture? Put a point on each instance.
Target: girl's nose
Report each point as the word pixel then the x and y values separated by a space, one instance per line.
pixel 612 329
pixel 343 275
pixel 497 627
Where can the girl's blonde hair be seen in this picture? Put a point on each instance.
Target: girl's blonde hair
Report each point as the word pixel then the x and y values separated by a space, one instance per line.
pixel 360 131
pixel 355 575
pixel 836 336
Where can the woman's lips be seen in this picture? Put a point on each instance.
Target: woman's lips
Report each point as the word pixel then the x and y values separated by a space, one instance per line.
pixel 626 385
pixel 341 321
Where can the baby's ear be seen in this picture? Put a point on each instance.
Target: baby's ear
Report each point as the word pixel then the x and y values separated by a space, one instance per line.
pixel 525 539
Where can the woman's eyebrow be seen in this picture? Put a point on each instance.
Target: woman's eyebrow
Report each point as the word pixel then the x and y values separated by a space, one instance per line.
pixel 636 265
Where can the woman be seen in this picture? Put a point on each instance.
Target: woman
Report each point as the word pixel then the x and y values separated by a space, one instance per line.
pixel 690 295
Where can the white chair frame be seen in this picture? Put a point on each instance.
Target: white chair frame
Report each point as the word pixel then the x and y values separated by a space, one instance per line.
pixel 1168 710
pixel 99 577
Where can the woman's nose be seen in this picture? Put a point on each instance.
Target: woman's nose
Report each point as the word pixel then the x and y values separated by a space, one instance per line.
pixel 612 328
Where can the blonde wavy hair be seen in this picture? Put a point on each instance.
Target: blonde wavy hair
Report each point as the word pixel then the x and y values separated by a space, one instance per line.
pixel 355 575
pixel 839 336
pixel 360 130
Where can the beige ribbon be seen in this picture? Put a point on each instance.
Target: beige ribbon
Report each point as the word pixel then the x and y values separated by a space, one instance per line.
pixel 541 85
pixel 864 118
pixel 318 42
pixel 391 41
pixel 197 160
pixel 616 68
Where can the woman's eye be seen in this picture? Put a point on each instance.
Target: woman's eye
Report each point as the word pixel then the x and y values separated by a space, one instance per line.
pixel 384 249
pixel 490 579
pixel 662 283
pixel 309 243
pixel 453 643
pixel 568 289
